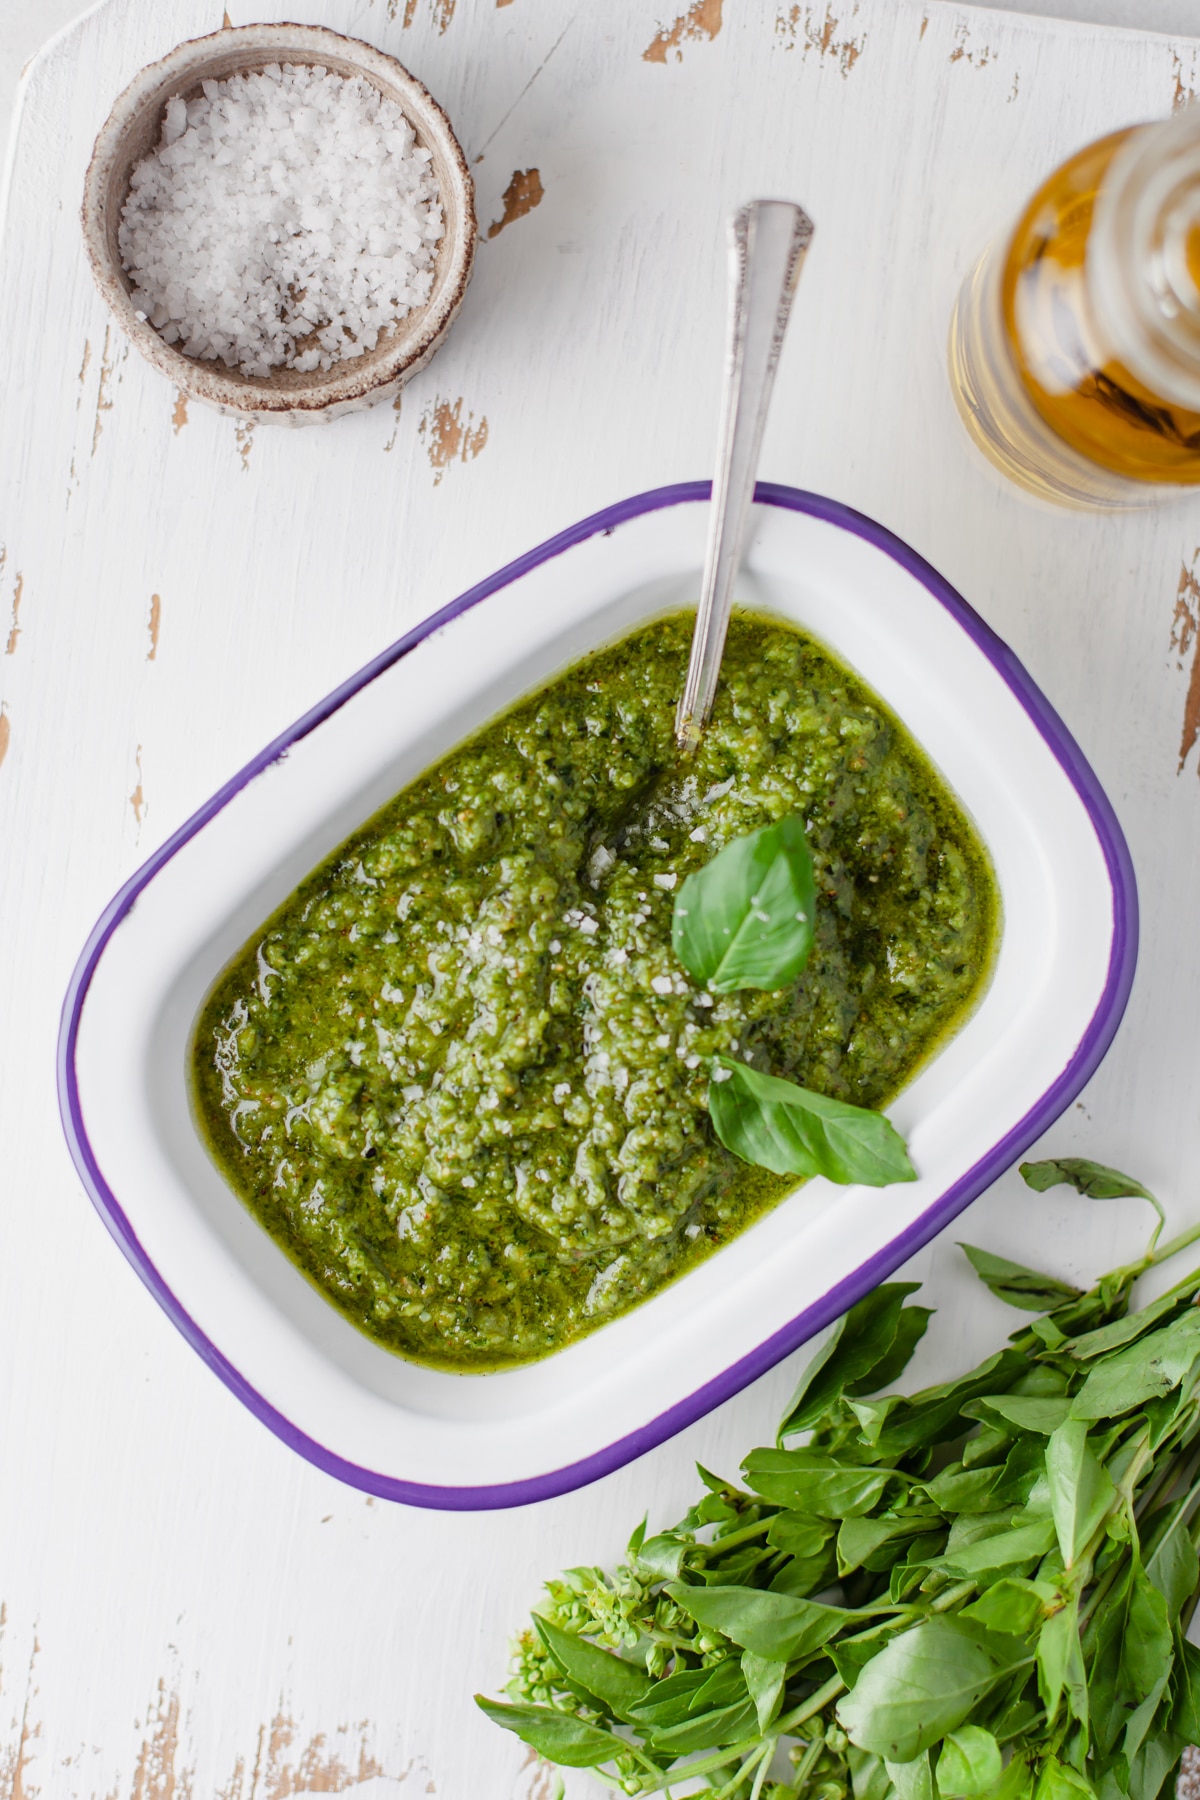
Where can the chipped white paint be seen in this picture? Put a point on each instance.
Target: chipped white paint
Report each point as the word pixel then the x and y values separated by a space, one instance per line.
pixel 190 1610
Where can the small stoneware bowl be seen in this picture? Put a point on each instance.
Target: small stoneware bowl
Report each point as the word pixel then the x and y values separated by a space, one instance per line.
pixel 133 129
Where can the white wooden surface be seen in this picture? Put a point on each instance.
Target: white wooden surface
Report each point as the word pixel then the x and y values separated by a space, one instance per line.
pixel 189 1610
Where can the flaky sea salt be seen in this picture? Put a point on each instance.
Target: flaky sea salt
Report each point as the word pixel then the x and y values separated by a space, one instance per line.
pixel 286 218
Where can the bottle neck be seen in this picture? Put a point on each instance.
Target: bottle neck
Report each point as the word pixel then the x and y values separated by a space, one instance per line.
pixel 1143 258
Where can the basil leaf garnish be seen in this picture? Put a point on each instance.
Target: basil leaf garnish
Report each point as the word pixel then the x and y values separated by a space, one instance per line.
pixel 792 1131
pixel 745 920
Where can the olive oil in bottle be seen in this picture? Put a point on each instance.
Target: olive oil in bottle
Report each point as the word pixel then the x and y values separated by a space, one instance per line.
pixel 1075 343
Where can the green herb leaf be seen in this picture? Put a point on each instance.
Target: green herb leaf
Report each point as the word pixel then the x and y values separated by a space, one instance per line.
pixel 1011 1604
pixel 912 1780
pixel 1060 1664
pixel 1081 1491
pixel 775 1626
pixel 1171 1562
pixel 765 1678
pixel 617 1684
pixel 792 1131
pixel 1004 1549
pixel 925 1684
pixel 969 1764
pixel 1096 1181
pixel 1145 1369
pixel 813 1482
pixel 1058 1781
pixel 557 1735
pixel 1147 1646
pixel 859 1344
pixel 1017 1285
pixel 745 920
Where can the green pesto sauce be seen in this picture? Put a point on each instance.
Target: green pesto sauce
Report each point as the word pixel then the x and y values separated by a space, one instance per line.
pixel 460 1076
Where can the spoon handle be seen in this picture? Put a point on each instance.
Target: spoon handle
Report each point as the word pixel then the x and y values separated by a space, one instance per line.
pixel 768 241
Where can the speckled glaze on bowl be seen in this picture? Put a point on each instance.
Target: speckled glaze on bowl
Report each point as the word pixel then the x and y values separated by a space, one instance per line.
pixel 285 396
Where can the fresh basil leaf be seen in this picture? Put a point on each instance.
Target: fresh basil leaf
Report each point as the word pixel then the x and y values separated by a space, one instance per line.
pixel 1147 1646
pixel 911 1327
pixel 1152 1765
pixel 1144 1370
pixel 1060 1664
pixel 662 1556
pixel 1096 1181
pixel 858 1343
pixel 1170 1556
pixel 799 1534
pixel 725 1725
pixel 788 1129
pixel 1017 1285
pixel 1081 1491
pixel 969 1764
pixel 617 1684
pixel 1120 1332
pixel 1142 1718
pixel 745 920
pixel 869 1779
pixel 671 1699
pixel 765 1678
pixel 812 1482
pixel 959 1490
pixel 726 1686
pixel 860 1538
pixel 1011 1604
pixel 1058 1781
pixel 926 1683
pixel 923 1418
pixel 802 1576
pixel 850 1656
pixel 912 1780
pixel 1185 1720
pixel 1006 1549
pixel 1042 1413
pixel 558 1736
pixel 774 1626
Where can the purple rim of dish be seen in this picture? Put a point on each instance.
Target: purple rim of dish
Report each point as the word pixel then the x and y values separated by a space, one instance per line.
pixel 1088 1054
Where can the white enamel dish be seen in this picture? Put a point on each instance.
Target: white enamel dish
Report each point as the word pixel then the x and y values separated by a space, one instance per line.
pixel 399 1430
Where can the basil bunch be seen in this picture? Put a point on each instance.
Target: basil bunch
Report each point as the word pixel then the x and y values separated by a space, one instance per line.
pixel 980 1591
pixel 745 920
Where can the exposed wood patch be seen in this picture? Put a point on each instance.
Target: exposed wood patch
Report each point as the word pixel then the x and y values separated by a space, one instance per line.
pixel 108 363
pixel 448 437
pixel 179 416
pixel 701 21
pixel 14 1763
pixel 5 739
pixel 503 2
pixel 924 27
pixel 962 51
pixel 391 443
pixel 227 22
pixel 83 369
pixel 14 627
pixel 1185 84
pixel 243 437
pixel 523 193
pixel 441 11
pixel 138 802
pixel 155 622
pixel 1185 638
pixel 814 30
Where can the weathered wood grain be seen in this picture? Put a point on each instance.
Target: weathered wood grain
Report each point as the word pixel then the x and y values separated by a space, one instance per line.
pixel 189 1609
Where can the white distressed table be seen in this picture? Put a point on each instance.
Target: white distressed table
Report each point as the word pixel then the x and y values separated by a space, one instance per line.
pixel 188 1609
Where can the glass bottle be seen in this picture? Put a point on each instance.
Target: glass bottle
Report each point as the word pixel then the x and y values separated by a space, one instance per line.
pixel 1075 342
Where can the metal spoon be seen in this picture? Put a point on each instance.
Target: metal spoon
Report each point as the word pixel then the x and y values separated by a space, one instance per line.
pixel 768 241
